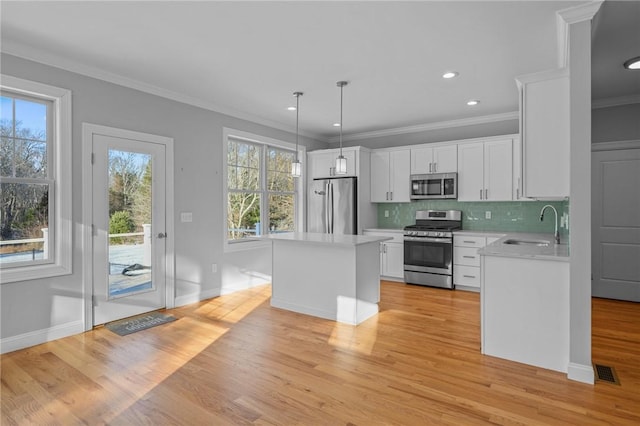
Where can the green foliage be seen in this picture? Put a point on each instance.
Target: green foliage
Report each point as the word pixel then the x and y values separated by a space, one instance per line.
pixel 121 223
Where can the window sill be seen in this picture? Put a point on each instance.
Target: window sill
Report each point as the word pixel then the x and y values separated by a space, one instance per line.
pixel 27 273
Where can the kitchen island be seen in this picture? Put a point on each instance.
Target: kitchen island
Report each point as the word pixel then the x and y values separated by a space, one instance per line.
pixel 330 276
pixel 524 300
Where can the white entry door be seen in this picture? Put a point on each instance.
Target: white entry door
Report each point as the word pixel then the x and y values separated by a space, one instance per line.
pixel 616 224
pixel 129 227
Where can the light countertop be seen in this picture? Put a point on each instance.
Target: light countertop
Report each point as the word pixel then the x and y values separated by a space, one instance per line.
pixel 555 252
pixel 329 239
pixel 498 234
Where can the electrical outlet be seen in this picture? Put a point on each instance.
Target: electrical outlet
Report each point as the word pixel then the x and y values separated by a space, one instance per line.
pixel 386 213
pixel 214 267
pixel 487 215
pixel 186 217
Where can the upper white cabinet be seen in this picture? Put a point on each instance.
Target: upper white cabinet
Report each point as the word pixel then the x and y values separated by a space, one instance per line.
pixel 544 128
pixel 485 171
pixel 437 159
pixel 390 176
pixel 322 163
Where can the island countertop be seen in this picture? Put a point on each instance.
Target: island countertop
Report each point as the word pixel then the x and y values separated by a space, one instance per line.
pixel 319 238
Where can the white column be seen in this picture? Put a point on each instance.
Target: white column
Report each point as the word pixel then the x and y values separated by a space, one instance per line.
pixel 146 256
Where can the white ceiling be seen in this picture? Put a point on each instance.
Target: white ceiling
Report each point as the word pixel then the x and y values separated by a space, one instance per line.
pixel 247 58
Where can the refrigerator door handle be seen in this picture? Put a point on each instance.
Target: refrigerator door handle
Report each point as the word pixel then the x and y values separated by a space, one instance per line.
pixel 331 212
pixel 326 207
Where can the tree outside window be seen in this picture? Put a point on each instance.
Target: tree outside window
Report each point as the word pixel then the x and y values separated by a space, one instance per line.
pixel 261 195
pixel 25 183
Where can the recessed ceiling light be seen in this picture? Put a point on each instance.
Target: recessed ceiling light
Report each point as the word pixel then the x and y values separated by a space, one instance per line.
pixel 291 108
pixel 473 102
pixel 633 63
pixel 449 74
pixel 336 124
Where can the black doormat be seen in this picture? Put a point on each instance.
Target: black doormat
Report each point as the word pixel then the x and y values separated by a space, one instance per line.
pixel 140 322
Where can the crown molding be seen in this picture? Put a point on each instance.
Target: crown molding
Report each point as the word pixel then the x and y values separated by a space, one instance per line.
pixel 30 53
pixel 613 102
pixel 514 115
pixel 566 17
pixel 615 145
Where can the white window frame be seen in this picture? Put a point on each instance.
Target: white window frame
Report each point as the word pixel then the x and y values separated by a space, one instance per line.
pixel 247 244
pixel 61 224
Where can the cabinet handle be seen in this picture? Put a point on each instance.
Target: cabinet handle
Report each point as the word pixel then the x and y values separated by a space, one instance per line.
pixel 435 167
pixel 486 194
pixel 391 195
pixel 518 190
pixel 469 276
pixel 469 257
pixel 469 242
pixel 481 194
pixel 430 167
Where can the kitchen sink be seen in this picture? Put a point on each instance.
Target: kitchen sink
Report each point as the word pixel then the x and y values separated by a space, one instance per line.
pixel 538 243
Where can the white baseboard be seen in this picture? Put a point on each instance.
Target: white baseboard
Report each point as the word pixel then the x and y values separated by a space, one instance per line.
pixel 32 338
pixel 581 373
pixel 188 299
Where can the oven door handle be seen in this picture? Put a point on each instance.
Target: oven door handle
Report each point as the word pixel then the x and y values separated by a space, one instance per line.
pixel 429 239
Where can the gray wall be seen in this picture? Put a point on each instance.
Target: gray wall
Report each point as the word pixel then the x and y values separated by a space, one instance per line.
pixel 40 305
pixel 620 123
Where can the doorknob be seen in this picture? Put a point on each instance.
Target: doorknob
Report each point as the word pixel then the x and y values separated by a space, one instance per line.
pixel 162 235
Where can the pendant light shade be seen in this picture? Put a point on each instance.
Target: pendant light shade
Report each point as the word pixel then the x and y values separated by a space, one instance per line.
pixel 341 162
pixel 296 166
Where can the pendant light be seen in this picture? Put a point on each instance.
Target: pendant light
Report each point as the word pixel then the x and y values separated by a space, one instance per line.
pixel 341 162
pixel 296 167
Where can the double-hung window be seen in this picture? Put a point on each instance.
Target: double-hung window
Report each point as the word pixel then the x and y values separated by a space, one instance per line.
pixel 35 180
pixel 261 194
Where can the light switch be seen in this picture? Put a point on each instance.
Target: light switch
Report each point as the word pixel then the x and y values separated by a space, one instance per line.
pixel 186 217
pixel 487 214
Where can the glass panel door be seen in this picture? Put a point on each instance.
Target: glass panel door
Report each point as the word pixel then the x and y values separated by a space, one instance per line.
pixel 129 227
pixel 130 200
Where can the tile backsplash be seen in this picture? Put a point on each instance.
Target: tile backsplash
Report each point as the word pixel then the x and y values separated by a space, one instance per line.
pixel 508 216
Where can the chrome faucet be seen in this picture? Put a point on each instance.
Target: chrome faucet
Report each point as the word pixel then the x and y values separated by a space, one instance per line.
pixel 556 234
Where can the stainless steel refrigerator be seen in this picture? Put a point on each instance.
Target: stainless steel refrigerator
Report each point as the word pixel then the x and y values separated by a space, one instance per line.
pixel 332 206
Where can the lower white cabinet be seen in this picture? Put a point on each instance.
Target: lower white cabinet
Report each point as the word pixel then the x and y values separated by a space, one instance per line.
pixel 391 254
pixel 466 260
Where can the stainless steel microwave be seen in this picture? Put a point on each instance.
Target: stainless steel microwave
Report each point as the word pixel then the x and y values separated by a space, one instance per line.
pixel 434 186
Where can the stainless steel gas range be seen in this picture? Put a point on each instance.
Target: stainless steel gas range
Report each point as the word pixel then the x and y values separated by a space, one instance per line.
pixel 428 248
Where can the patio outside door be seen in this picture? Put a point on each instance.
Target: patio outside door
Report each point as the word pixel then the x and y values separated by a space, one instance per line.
pixel 129 232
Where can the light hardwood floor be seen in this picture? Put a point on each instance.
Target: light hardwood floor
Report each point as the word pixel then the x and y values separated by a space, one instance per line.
pixel 236 360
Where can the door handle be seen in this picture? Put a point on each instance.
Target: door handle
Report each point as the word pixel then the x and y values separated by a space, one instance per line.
pixel 481 194
pixel 162 235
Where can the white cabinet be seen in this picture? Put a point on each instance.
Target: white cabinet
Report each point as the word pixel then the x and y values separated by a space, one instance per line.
pixel 390 176
pixel 391 254
pixel 438 159
pixel 485 171
pixel 518 194
pixel 322 163
pixel 544 128
pixel 466 261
